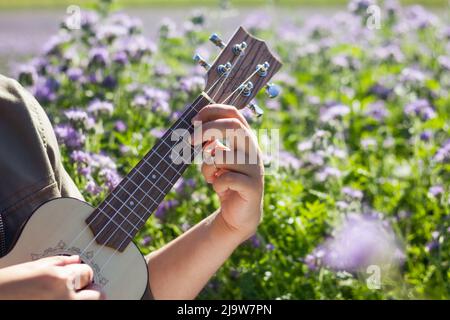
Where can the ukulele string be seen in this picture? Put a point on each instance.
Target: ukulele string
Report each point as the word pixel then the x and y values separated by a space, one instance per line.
pixel 116 250
pixel 242 84
pixel 187 111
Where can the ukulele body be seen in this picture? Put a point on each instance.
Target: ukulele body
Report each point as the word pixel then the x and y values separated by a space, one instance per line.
pixel 58 227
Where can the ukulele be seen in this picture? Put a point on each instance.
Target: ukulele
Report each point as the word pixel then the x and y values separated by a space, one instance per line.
pixel 102 236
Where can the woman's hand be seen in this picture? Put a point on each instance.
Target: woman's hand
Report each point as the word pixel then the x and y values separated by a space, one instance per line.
pixel 235 171
pixel 60 278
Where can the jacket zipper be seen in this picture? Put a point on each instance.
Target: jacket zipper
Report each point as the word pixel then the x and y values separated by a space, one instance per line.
pixel 2 238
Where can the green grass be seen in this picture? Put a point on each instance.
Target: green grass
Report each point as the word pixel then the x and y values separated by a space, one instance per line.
pixel 44 4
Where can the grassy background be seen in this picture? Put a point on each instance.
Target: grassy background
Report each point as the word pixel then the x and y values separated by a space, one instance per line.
pixel 24 4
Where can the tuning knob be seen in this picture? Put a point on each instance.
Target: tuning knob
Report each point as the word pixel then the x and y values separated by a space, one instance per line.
pixel 273 90
pixel 256 109
pixel 239 48
pixel 214 38
pixel 202 62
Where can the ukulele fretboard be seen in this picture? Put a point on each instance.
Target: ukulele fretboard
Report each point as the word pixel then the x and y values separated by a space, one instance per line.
pixel 124 212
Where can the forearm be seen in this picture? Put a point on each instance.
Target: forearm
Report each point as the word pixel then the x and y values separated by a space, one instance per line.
pixel 181 269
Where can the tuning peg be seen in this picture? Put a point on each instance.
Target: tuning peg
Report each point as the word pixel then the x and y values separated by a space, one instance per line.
pixel 273 90
pixel 256 109
pixel 214 38
pixel 239 48
pixel 247 89
pixel 224 69
pixel 262 68
pixel 202 62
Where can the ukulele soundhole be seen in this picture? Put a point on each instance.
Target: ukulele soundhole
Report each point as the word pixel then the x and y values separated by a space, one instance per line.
pixel 61 249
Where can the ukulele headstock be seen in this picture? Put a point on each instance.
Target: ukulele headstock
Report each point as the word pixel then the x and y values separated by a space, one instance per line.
pixel 244 66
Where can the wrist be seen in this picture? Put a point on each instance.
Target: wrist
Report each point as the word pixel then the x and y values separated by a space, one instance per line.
pixel 224 231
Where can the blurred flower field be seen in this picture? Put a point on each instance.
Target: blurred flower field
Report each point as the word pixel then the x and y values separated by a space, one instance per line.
pixel 364 122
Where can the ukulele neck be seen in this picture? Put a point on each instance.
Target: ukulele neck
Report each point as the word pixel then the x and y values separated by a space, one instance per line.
pixel 124 212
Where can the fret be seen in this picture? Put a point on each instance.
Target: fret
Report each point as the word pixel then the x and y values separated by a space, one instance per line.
pixel 134 206
pixel 146 194
pixel 153 176
pixel 123 218
pixel 189 125
pixel 120 227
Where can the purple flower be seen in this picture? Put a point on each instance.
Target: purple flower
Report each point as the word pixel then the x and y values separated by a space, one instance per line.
pixel 74 74
pixel 255 241
pixel 288 160
pixel 316 159
pixel 88 19
pixel 444 62
pixel 327 173
pixel 361 241
pixel 27 75
pixel 418 17
pixel 109 32
pixel 377 111
pixel 120 126
pixel 136 47
pixel 80 156
pixel 93 188
pixel 380 91
pixel 120 58
pixel 413 76
pixel 191 84
pixel 158 98
pixel 314 259
pixel 76 115
pixel 85 171
pixel 111 177
pixel 53 45
pixel 426 135
pixel 443 154
pixel 352 193
pixel 98 56
pixel 270 247
pixel 157 133
pixel 140 101
pixel 433 244
pixel 333 112
pixel 182 184
pixel 258 21
pixel 391 52
pixel 45 91
pixel 368 143
pixel 102 161
pixel 145 241
pixel 421 108
pixel 359 6
pixel 68 136
pixel 273 104
pixel 161 70
pixel 109 82
pixel 164 207
pixel 436 190
pixel 124 149
pixel 99 107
